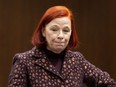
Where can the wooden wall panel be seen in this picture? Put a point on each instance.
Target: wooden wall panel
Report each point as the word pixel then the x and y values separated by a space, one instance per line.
pixel 95 22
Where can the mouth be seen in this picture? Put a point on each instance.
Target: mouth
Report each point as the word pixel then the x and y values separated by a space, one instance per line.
pixel 59 43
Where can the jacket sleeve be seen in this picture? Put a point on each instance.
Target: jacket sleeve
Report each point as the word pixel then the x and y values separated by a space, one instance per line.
pixel 17 77
pixel 94 77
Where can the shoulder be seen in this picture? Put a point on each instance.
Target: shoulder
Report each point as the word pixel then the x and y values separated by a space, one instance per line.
pixel 76 54
pixel 80 57
pixel 25 56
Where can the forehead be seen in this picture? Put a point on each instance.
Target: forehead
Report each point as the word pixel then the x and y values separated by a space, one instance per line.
pixel 60 21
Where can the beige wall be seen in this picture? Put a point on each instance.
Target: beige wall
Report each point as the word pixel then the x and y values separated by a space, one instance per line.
pixel 95 22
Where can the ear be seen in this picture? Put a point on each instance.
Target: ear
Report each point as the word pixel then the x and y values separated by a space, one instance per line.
pixel 43 32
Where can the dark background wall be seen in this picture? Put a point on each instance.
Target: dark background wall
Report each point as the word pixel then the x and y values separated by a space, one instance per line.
pixel 95 23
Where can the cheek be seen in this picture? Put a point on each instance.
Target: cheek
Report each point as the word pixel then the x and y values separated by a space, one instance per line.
pixel 49 38
pixel 67 37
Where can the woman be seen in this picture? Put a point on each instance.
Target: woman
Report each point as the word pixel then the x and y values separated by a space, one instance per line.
pixel 51 63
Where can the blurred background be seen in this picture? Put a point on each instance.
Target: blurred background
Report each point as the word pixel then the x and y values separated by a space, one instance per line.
pixel 95 23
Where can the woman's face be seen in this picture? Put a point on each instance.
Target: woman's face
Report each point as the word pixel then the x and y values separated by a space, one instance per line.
pixel 57 34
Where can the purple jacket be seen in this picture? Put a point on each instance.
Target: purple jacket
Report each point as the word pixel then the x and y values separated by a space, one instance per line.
pixel 33 69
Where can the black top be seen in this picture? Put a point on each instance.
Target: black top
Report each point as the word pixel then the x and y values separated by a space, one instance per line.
pixel 56 59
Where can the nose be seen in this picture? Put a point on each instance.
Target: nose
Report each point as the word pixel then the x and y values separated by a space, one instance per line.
pixel 60 35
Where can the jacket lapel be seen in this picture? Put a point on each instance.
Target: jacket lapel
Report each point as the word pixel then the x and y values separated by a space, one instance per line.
pixel 42 61
pixel 66 64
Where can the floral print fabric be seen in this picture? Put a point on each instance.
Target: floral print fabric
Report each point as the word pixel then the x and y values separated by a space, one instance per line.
pixel 33 69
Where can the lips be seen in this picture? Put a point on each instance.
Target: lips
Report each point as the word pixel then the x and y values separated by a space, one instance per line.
pixel 59 43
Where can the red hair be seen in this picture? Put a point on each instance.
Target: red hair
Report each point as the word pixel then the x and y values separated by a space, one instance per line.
pixel 52 13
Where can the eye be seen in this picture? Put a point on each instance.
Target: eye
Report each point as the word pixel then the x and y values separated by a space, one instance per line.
pixel 54 28
pixel 66 29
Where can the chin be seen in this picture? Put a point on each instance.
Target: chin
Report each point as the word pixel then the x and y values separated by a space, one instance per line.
pixel 59 50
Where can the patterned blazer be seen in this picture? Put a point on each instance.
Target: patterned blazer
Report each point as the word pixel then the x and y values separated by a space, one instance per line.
pixel 33 69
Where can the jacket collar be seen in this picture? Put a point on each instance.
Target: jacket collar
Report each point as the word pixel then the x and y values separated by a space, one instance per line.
pixel 42 61
pixel 37 53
